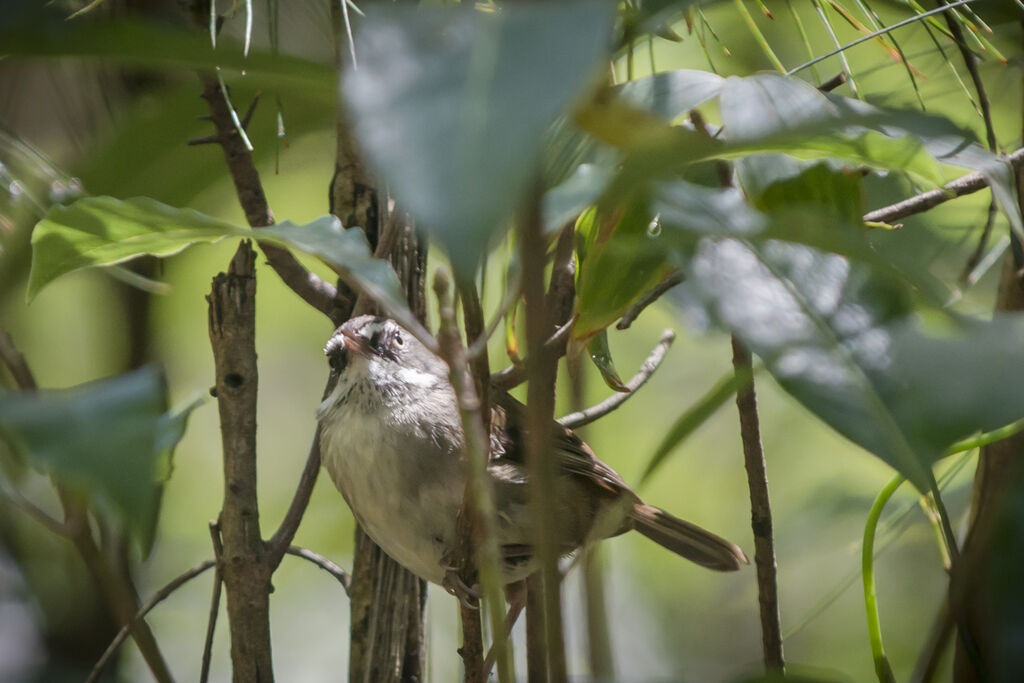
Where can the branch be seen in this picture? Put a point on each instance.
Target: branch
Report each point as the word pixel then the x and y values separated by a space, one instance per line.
pixel 319 560
pixel 15 362
pixel 159 597
pixel 514 375
pixel 541 369
pixel 280 542
pixel 968 184
pixel 232 323
pixel 595 412
pixel 211 622
pixel 476 551
pixel 311 288
pixel 760 511
pixel 670 281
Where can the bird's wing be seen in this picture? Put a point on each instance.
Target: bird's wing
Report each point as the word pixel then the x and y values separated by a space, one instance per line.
pixel 508 446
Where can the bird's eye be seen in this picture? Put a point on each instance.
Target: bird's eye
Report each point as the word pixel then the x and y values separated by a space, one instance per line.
pixel 398 339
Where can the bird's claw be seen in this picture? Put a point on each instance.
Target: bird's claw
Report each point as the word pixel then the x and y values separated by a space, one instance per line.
pixel 454 584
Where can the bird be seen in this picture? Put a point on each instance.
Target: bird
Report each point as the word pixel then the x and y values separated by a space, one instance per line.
pixel 391 440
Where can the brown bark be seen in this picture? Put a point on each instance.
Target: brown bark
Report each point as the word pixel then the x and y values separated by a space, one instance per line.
pixel 246 573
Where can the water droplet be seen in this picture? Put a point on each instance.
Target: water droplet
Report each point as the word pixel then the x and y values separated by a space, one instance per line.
pixel 654 227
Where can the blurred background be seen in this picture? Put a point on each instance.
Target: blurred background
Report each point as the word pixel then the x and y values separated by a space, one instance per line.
pixel 121 130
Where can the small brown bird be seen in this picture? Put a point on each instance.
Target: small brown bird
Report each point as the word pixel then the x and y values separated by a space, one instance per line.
pixel 391 439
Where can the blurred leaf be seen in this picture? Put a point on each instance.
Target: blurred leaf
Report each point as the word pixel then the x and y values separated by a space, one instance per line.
pixel 671 93
pixel 101 231
pixel 43 32
pixel 621 256
pixel 105 436
pixel 601 354
pixel 774 113
pixel 567 201
pixel 696 415
pixel 452 105
pixel 839 338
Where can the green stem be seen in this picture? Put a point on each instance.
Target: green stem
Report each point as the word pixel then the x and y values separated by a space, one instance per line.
pixel 986 438
pixel 758 36
pixel 882 668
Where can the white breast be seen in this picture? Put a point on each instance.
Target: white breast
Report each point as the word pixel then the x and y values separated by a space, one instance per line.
pixel 404 486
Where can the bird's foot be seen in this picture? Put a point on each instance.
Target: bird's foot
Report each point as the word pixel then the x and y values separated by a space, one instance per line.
pixel 454 584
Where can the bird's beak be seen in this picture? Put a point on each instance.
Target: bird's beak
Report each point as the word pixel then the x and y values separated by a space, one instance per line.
pixel 357 343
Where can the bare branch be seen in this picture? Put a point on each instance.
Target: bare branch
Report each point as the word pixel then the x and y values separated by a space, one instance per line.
pixel 211 622
pixel 514 375
pixel 968 184
pixel 159 597
pixel 282 538
pixel 760 511
pixel 317 293
pixel 319 560
pixel 670 281
pixel 595 412
pixel 16 364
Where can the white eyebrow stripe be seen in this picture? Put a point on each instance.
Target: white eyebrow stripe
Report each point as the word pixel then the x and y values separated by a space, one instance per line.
pixel 417 377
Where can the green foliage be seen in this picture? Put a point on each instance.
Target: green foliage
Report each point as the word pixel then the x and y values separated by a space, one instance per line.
pixel 451 107
pixel 106 437
pixel 102 231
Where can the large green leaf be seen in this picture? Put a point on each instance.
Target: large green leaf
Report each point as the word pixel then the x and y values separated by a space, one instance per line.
pixel 105 437
pixel 841 340
pixel 451 106
pixel 44 31
pixel 102 231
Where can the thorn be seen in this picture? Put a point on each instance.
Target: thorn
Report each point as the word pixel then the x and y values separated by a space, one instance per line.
pixel 206 140
pixel 250 111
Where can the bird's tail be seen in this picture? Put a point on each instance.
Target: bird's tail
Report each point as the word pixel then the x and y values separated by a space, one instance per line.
pixel 686 539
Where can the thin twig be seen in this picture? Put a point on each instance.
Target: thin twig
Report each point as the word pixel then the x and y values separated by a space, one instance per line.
pixel 16 364
pixel 319 560
pixel 967 184
pixel 670 281
pixel 311 288
pixel 938 639
pixel 760 512
pixel 35 512
pixel 211 622
pixel 514 375
pixel 159 597
pixel 657 355
pixel 278 544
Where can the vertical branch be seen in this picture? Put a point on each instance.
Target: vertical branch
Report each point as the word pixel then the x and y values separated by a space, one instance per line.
pixel 478 518
pixel 985 588
pixel 386 600
pixel 541 366
pixel 232 321
pixel 760 509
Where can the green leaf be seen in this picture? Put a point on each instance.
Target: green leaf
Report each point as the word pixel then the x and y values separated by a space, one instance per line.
pixel 840 339
pixel 451 106
pixel 601 354
pixel 102 231
pixel 671 93
pixel 40 31
pixel 105 436
pixel 621 256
